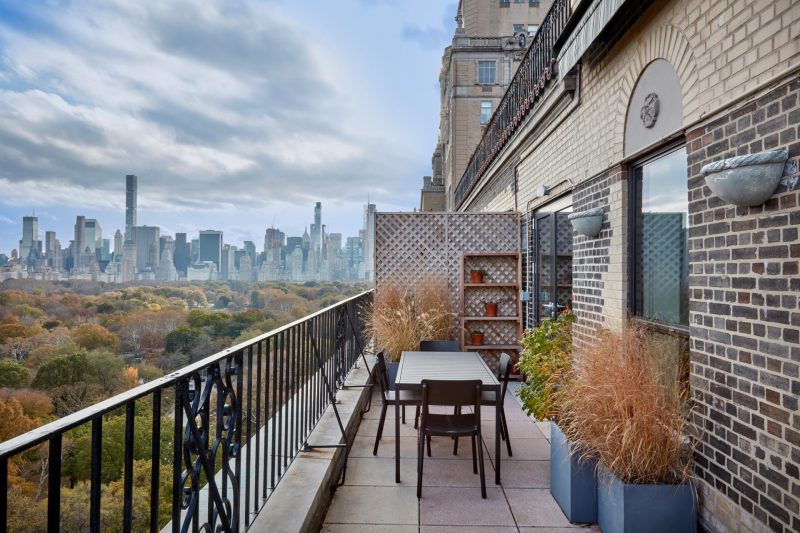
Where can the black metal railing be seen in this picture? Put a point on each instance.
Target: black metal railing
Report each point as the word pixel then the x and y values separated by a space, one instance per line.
pixel 523 93
pixel 238 419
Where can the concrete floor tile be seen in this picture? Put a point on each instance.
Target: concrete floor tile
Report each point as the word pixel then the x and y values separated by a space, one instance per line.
pixel 374 505
pixel 378 471
pixel 467 529
pixel 525 474
pixel 368 528
pixel 370 427
pixel 447 473
pixel 523 449
pixel 535 507
pixel 362 447
pixel 448 506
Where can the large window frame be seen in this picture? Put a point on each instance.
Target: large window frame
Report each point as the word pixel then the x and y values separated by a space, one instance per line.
pixel 635 313
pixel 484 67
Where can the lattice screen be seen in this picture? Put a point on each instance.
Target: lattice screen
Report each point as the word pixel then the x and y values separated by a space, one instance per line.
pixel 410 247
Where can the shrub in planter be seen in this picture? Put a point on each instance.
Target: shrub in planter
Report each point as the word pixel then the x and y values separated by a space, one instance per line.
pixel 476 337
pixel 546 361
pixel 400 317
pixel 623 412
pixel 490 308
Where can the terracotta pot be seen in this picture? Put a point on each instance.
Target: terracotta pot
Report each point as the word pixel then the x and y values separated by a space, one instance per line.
pixel 491 309
pixel 476 339
pixel 476 277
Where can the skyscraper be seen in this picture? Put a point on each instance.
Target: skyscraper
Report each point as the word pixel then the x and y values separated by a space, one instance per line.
pixel 50 248
pixel 92 235
pixel 130 205
pixel 211 247
pixel 369 241
pixel 79 242
pixel 118 243
pixel 30 237
pixel 316 228
pixel 182 253
pixel 146 239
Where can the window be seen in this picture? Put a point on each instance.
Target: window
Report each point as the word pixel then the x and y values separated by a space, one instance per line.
pixel 532 28
pixel 660 254
pixel 486 72
pixel 518 28
pixel 486 111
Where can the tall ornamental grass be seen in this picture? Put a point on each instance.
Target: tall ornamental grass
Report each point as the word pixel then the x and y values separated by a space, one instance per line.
pixel 623 411
pixel 400 316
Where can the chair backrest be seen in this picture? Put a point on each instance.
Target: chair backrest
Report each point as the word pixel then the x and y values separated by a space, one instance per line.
pixel 439 346
pixel 449 392
pixel 381 374
pixel 504 370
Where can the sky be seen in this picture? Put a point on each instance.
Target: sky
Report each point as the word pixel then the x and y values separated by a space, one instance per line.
pixel 234 115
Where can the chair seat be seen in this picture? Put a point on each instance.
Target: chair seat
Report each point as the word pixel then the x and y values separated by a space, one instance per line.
pixel 407 397
pixel 450 424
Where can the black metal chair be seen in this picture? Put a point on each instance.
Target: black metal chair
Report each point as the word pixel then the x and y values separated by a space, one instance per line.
pixel 439 346
pixel 458 393
pixel 489 398
pixel 391 397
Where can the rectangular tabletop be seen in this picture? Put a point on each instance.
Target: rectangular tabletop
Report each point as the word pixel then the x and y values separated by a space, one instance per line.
pixel 416 366
pixel 455 366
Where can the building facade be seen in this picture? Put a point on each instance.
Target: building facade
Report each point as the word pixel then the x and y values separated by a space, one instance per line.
pixel 131 185
pixel 618 109
pixel 489 42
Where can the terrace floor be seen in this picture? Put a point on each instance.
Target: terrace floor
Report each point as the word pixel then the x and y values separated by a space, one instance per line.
pixel 370 500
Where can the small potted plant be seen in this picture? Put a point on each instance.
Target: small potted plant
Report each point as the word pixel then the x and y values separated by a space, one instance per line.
pixel 476 337
pixel 477 275
pixel 490 308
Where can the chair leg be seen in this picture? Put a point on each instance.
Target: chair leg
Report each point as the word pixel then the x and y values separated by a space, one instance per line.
pixel 429 445
pixel 380 429
pixel 455 440
pixel 504 426
pixel 416 418
pixel 474 454
pixel 404 414
pixel 420 456
pixel 480 465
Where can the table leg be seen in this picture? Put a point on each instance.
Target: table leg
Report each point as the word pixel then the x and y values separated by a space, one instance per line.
pixel 497 422
pixel 397 442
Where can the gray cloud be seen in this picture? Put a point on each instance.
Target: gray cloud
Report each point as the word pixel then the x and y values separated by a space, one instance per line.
pixel 225 105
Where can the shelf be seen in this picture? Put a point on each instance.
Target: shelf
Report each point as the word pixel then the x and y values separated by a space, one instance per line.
pixel 490 285
pixel 506 318
pixel 493 347
pixel 491 254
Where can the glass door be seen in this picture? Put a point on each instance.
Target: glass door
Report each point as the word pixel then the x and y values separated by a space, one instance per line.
pixel 553 260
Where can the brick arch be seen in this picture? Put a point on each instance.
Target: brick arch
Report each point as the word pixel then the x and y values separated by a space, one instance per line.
pixel 665 42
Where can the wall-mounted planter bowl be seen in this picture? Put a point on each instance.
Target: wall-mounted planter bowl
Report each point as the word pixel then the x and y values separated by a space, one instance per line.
pixel 587 223
pixel 628 508
pixel 747 180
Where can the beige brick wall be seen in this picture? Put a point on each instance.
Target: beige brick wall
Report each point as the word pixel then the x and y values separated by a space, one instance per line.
pixel 483 18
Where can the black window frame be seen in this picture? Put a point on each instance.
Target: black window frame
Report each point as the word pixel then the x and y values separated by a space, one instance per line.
pixel 634 305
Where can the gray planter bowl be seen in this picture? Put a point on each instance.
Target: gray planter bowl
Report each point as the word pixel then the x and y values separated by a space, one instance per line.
pixel 627 508
pixel 572 481
pixel 747 180
pixel 587 223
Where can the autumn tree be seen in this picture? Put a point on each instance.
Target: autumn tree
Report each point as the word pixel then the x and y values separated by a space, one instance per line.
pixel 13 374
pixel 94 336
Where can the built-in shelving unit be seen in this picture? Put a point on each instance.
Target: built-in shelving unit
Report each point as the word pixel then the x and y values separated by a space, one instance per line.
pixel 502 284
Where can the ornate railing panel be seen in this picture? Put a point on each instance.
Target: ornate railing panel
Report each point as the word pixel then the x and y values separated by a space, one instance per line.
pixel 526 89
pixel 239 418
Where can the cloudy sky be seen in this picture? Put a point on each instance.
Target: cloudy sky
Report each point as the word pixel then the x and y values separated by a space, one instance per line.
pixel 234 115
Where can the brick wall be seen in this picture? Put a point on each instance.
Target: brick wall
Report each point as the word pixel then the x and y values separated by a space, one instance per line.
pixel 745 321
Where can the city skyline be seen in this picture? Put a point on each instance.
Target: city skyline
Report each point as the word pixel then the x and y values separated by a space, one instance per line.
pixel 239 122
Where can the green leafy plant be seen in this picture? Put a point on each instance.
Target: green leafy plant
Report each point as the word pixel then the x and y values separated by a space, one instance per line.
pixel 477 332
pixel 481 271
pixel 546 362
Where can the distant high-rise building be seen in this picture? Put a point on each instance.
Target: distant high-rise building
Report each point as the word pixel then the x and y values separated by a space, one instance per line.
pixel 245 268
pixel 194 251
pixel 182 254
pixel 105 250
pixel 130 205
pixel 316 228
pixel 50 248
pixel 93 235
pixel 273 238
pixel 30 237
pixel 127 268
pixel 228 264
pixel 210 247
pixel 250 248
pixel 146 239
pixel 79 243
pixel 166 267
pixel 369 241
pixel 118 243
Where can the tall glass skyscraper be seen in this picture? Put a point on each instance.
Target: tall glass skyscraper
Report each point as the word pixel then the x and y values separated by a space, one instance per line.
pixel 130 205
pixel 211 247
pixel 30 237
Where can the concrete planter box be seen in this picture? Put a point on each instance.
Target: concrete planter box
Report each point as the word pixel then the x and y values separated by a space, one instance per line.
pixel 628 508
pixel 587 223
pixel 747 180
pixel 572 481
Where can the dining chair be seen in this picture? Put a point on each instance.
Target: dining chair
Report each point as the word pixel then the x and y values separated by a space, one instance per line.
pixel 489 399
pixel 392 397
pixel 439 346
pixel 458 393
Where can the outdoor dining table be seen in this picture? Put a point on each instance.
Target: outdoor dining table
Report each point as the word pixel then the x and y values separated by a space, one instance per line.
pixel 456 366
